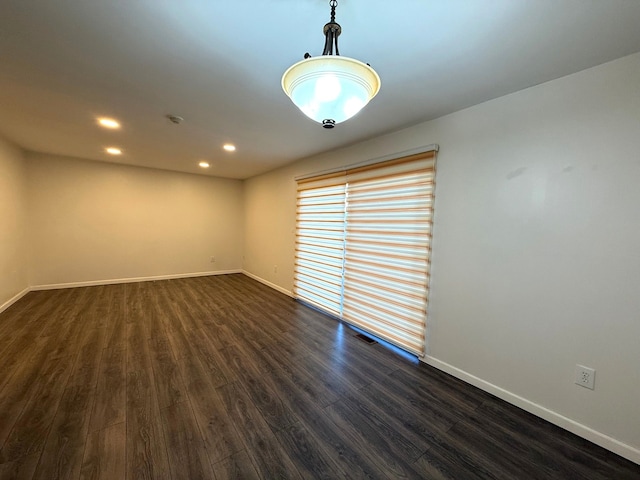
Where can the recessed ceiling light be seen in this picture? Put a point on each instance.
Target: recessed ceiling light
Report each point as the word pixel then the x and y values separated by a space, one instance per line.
pixel 113 151
pixel 204 164
pixel 229 147
pixel 108 123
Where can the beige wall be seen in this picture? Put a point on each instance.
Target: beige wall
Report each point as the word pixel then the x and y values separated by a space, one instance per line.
pixel 91 221
pixel 13 260
pixel 269 242
pixel 536 263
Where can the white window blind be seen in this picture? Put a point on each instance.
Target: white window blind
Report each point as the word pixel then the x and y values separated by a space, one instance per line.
pixel 367 260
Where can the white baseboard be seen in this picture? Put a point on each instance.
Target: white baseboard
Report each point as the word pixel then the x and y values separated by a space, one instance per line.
pixel 268 284
pixel 605 441
pixel 14 299
pixel 92 283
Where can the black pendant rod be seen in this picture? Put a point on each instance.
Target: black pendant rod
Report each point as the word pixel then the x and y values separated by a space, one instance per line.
pixel 331 32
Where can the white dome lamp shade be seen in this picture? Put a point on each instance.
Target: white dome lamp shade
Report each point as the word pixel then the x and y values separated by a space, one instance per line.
pixel 330 89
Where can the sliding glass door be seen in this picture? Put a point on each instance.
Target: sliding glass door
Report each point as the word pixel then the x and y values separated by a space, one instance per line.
pixel 363 246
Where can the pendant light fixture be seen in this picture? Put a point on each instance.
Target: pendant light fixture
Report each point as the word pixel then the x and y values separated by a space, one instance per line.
pixel 330 89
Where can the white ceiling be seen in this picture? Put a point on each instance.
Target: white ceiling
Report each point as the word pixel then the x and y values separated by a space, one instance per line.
pixel 219 64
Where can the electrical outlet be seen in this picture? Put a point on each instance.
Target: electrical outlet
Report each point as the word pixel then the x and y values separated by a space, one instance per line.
pixel 585 376
pixel 213 260
pixel 275 269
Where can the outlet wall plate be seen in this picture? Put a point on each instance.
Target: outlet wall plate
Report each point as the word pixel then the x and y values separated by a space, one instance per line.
pixel 585 377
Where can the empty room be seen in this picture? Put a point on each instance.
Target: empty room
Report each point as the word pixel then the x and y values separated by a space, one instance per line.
pixel 319 239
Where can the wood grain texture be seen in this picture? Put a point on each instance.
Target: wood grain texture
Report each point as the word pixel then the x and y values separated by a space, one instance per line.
pixel 20 469
pixel 308 454
pixel 187 452
pixel 222 377
pixel 110 403
pixel 235 467
pixel 64 448
pixel 104 456
pixel 29 433
pixel 146 450
pixel 267 454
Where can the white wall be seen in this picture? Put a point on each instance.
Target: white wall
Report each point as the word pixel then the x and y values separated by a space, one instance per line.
pixel 91 222
pixel 536 249
pixel 13 205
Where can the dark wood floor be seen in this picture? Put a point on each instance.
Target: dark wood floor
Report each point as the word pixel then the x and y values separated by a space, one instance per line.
pixel 222 377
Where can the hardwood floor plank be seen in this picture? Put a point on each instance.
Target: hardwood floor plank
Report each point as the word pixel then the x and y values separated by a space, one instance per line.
pixel 110 405
pixel 236 467
pixel 67 333
pixel 194 305
pixel 86 368
pixel 300 377
pixel 20 469
pixel 342 447
pixel 259 389
pixel 30 430
pixel 178 339
pixel 336 443
pixel 419 412
pixel 105 454
pixel 363 356
pixel 338 378
pixel 65 342
pixel 491 450
pixel 308 454
pixel 14 315
pixel 146 447
pixel 270 459
pixel 24 350
pixel 344 355
pixel 145 443
pixel 168 383
pixel 61 307
pixel 211 301
pixel 15 320
pixel 384 409
pixel 437 464
pixel 31 342
pixel 393 454
pixel 95 313
pixel 220 436
pixel 219 336
pixel 18 390
pixel 64 448
pixel 440 387
pixel 133 302
pixel 115 316
pixel 210 357
pixel 187 456
pixel 336 367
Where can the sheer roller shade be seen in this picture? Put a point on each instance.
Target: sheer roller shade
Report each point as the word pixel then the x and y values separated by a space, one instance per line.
pixel 363 246
pixel 387 250
pixel 320 224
